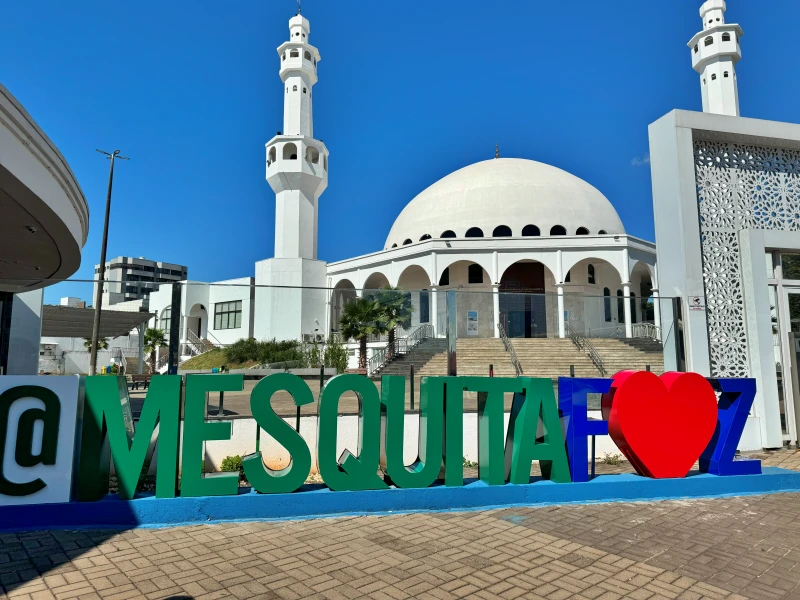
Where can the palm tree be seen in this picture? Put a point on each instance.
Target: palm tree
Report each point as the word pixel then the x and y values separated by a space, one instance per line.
pixel 397 309
pixel 102 343
pixel 153 340
pixel 360 318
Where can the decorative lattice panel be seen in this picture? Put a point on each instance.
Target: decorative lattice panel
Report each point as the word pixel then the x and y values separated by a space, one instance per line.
pixel 738 187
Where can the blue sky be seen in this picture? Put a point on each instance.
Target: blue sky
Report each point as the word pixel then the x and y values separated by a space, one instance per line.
pixel 408 92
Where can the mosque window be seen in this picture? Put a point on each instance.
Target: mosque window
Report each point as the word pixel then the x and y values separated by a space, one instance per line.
pixel 394 245
pixel 709 41
pixel 312 155
pixel 607 304
pixel 474 232
pixel 713 77
pixel 531 231
pixel 294 88
pixel 582 231
pixel 590 272
pixel 425 237
pixel 445 278
pixel 272 156
pixel 289 151
pixel 475 274
pixel 726 37
pixel 448 234
pixel 406 242
pixel 424 307
pixel 307 55
pixel 284 56
pixel 695 48
pixel 633 307
pixel 725 74
pixel 558 230
pixel 305 90
pixel 502 231
pixel 602 232
pixel 294 54
pixel 620 307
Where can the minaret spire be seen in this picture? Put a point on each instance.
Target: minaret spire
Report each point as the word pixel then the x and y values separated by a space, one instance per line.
pixel 715 52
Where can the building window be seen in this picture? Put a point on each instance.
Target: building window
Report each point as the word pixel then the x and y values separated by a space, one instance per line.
pixel 294 54
pixel 166 318
pixel 475 274
pixel 448 234
pixel 445 278
pixel 582 231
pixel 590 271
pixel 633 307
pixel 713 77
pixel 607 304
pixel 502 231
pixel 228 315
pixel 406 242
pixel 602 232
pixel 305 90
pixel 394 245
pixel 307 54
pixel 695 48
pixel 531 231
pixel 289 151
pixel 725 74
pixel 427 236
pixel 726 37
pixel 424 307
pixel 474 232
pixel 709 41
pixel 558 230
pixel 620 307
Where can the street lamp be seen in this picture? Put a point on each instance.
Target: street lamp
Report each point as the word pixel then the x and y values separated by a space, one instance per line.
pixel 98 297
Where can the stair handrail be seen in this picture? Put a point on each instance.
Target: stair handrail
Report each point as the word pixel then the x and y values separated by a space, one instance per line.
pixel 200 345
pixel 584 344
pixel 402 345
pixel 649 331
pixel 510 349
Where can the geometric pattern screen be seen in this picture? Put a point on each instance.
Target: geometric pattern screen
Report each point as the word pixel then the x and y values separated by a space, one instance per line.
pixel 738 187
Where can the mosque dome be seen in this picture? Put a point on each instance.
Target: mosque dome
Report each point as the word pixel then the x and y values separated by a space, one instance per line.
pixel 505 197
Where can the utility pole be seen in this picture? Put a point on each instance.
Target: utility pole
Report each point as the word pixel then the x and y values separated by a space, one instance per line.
pixel 98 297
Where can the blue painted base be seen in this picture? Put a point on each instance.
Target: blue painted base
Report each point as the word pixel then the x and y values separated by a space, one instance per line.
pixel 317 501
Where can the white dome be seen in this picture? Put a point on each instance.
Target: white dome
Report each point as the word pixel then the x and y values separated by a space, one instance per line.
pixel 505 191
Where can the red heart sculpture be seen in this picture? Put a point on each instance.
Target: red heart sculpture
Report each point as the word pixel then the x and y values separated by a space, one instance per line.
pixel 661 425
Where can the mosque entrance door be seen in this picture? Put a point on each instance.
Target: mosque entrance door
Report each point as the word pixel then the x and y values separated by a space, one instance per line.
pixel 522 300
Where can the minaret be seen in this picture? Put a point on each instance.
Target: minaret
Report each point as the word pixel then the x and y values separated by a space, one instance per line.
pixel 715 52
pixel 289 295
pixel 297 164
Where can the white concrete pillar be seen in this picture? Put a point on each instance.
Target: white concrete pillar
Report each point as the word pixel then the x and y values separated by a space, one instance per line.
pixel 496 308
pixel 561 326
pixel 626 294
pixel 435 310
pixel 142 329
pixel 657 313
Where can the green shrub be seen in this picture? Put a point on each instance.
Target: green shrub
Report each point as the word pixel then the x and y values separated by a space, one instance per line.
pixel 242 351
pixel 468 463
pixel 335 355
pixel 233 464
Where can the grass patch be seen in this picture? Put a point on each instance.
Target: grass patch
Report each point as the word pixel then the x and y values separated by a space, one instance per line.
pixel 214 359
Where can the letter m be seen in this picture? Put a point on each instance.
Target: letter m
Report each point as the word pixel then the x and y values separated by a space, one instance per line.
pixel 108 433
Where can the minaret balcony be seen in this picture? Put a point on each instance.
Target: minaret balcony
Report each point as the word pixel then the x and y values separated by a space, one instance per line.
pixel 299 156
pixel 722 40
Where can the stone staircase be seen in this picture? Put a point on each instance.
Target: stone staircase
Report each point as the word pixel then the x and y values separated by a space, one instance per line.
pixel 132 365
pixel 539 357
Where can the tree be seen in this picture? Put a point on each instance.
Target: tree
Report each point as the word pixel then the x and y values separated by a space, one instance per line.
pixel 397 309
pixel 153 340
pixel 361 318
pixel 102 343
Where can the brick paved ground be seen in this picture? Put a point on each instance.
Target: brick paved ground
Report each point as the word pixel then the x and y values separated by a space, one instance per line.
pixel 726 548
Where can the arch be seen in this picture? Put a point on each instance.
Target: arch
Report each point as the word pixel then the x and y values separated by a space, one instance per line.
pixel 590 276
pixel 289 151
pixel 165 319
pixel 531 231
pixel 607 273
pixel 427 236
pixel 726 37
pixel 294 53
pixel 394 245
pixel 343 292
pixel 582 231
pixel 448 234
pixel 445 278
pixel 558 230
pixel 375 281
pixel 407 241
pixel 502 231
pixel 307 55
pixel 642 283
pixel 416 281
pixel 474 232
pixel 602 232
pixel 272 155
pixel 197 320
pixel 312 155
pixel 414 277
pixel 709 40
pixel 525 310
pixel 458 267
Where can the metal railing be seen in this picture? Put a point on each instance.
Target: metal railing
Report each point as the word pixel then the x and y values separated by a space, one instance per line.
pixel 162 361
pixel 510 349
pixel 584 344
pixel 649 331
pixel 200 345
pixel 399 347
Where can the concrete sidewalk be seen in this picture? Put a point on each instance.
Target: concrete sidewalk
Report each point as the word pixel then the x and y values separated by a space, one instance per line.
pixel 724 548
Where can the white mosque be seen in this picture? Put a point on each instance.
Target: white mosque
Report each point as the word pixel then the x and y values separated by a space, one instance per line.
pixel 489 229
